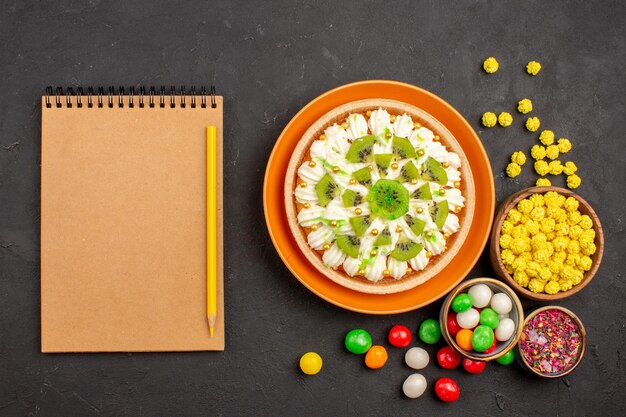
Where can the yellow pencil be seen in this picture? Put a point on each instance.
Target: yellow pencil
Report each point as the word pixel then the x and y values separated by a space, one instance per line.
pixel 211 223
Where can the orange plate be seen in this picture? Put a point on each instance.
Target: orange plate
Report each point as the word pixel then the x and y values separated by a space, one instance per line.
pixel 286 246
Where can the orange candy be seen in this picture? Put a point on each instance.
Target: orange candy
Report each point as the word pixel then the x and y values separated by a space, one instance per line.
pixel 376 357
pixel 464 339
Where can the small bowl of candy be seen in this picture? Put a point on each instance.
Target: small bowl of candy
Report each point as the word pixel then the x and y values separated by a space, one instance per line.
pixel 481 319
pixel 552 342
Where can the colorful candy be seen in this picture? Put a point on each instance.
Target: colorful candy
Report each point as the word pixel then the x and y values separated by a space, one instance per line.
pixel 472 366
pixel 448 358
pixel 464 339
pixel 505 330
pixel 501 303
pixel 400 336
pixel 452 324
pixel 489 318
pixel 462 302
pixel 429 331
pixel 482 339
pixel 416 358
pixel 468 319
pixel 447 390
pixel 507 358
pixel 358 341
pixel 311 363
pixel 481 295
pixel 414 386
pixel 492 347
pixel 376 357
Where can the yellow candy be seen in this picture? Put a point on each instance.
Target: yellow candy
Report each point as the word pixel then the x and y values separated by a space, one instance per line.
pixel 538 213
pixel 538 152
pixel 532 124
pixel 519 264
pixel 491 65
pixel 524 106
pixel 571 204
pixel 552 152
pixel 507 227
pixel 565 285
pixel 521 277
pixel 584 263
pixel 561 229
pixel 552 287
pixel 518 245
pixel 505 119
pixel 505 241
pixel 543 182
pixel 518 157
pixel 573 181
pixel 507 256
pixel 569 168
pixel 525 206
pixel 546 137
pixel 489 119
pixel 573 218
pixel 519 231
pixel 541 256
pixel 589 250
pixel 560 257
pixel 542 168
pixel 514 216
pixel 533 67
pixel 585 222
pixel 532 226
pixel 564 145
pixel 555 167
pixel 311 363
pixel 513 170
pixel 560 243
pixel 536 285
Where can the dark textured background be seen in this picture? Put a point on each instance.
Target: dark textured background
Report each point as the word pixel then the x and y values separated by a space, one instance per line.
pixel 268 60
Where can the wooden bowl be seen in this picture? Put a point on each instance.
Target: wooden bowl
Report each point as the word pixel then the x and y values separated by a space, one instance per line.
pixel 516 314
pixel 494 243
pixel 387 285
pixel 583 337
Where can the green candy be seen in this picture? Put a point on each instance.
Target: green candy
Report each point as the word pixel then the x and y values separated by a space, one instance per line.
pixel 507 358
pixel 482 339
pixel 429 331
pixel 489 318
pixel 461 303
pixel 358 341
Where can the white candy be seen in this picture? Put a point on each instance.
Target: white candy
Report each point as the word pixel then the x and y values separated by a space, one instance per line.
pixel 416 358
pixel 414 385
pixel 501 303
pixel 468 319
pixel 481 295
pixel 505 330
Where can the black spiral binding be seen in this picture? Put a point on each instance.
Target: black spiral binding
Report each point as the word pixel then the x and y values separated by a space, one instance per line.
pixel 174 98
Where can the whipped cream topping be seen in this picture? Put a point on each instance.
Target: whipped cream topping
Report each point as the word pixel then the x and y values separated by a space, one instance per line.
pixel 324 224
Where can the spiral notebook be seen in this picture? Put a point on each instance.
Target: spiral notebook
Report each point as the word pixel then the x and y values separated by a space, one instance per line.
pixel 123 220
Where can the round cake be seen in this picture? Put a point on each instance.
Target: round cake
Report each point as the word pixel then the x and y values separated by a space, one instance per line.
pixel 378 196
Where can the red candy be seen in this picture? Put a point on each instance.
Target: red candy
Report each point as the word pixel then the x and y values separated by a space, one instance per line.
pixel 452 324
pixel 474 367
pixel 400 336
pixel 448 358
pixel 447 390
pixel 493 347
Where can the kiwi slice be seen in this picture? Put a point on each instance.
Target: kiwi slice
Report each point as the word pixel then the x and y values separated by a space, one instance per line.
pixel 423 193
pixel 409 172
pixel 351 198
pixel 361 149
pixel 406 249
pixel 416 225
pixel 383 160
pixel 388 199
pixel 360 224
pixel 349 245
pixel 433 171
pixel 326 190
pixel 363 176
pixel 384 238
pixel 439 213
pixel 403 148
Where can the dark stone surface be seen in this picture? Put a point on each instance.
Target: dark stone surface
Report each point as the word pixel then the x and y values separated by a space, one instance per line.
pixel 268 60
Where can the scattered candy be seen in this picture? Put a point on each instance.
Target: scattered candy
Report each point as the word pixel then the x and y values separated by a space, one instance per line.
pixel 416 358
pixel 532 124
pixel 473 367
pixel 489 318
pixel 505 119
pixel 501 303
pixel 429 331
pixel 447 390
pixel 464 339
pixel 513 170
pixel 525 106
pixel 493 346
pixel 468 319
pixel 461 302
pixel 507 358
pixel 452 324
pixel 505 329
pixel 550 342
pixel 481 293
pixel 482 339
pixel 358 341
pixel 489 119
pixel 311 363
pixel 519 158
pixel 376 357
pixel 491 65
pixel 414 386
pixel 400 336
pixel 448 358
pixel 533 67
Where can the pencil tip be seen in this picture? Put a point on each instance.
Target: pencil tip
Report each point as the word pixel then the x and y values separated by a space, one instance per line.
pixel 211 331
